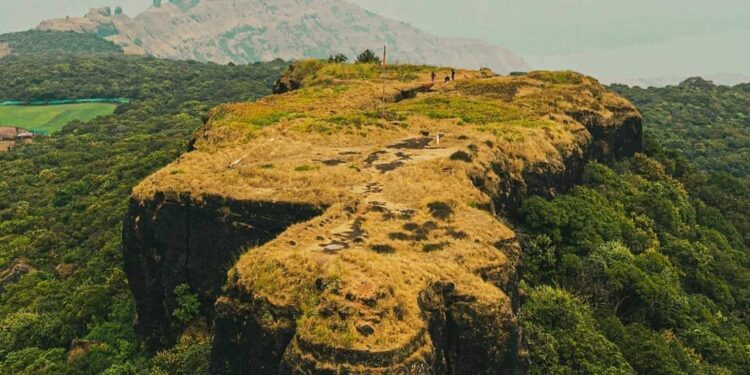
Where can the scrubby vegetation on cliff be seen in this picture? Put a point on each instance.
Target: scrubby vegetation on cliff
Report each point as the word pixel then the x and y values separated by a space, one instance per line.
pixel 62 200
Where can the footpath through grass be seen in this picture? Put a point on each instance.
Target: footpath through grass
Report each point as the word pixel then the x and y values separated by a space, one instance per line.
pixel 51 118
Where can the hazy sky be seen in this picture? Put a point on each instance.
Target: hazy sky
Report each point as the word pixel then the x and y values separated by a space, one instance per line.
pixel 611 39
pixel 607 38
pixel 18 15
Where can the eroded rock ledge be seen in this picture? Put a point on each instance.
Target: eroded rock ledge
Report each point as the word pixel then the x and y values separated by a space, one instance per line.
pixel 362 231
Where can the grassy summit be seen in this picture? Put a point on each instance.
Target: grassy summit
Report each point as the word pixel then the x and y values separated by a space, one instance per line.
pixel 344 107
pixel 408 173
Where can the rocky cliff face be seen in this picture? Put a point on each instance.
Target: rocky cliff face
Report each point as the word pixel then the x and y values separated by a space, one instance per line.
pixel 258 30
pixel 363 231
pixel 178 239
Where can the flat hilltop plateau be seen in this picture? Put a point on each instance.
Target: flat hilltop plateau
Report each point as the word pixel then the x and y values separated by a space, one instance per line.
pixel 358 220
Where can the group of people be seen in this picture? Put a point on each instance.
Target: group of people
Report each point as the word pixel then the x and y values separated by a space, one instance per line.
pixel 449 78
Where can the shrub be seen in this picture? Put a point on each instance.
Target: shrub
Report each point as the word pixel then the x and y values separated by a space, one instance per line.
pixel 339 58
pixel 188 306
pixel 368 57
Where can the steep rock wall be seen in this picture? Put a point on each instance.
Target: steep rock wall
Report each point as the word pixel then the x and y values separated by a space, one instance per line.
pixel 176 239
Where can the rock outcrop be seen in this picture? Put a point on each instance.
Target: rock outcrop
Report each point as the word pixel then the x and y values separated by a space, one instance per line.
pixel 260 30
pixel 15 270
pixel 362 227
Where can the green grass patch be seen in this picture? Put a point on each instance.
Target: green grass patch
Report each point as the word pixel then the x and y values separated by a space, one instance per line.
pixel 560 78
pixel 465 109
pixel 51 118
pixel 505 90
pixel 271 118
pixel 317 72
pixel 307 168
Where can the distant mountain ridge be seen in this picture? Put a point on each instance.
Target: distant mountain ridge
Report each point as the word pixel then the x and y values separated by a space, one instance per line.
pixel 225 31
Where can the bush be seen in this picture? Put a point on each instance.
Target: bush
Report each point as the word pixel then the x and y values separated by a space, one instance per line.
pixel 189 357
pixel 368 57
pixel 338 59
pixel 188 306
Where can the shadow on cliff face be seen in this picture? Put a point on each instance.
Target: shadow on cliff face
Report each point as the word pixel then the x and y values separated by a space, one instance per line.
pixel 173 240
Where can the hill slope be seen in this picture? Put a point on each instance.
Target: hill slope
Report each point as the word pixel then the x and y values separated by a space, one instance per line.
pixel 45 42
pixel 257 30
pixel 374 245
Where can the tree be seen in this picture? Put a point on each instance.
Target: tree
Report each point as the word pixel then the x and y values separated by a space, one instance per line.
pixel 368 57
pixel 339 58
pixel 562 338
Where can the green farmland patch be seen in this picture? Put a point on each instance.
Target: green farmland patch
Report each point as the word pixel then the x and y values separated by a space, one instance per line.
pixel 51 118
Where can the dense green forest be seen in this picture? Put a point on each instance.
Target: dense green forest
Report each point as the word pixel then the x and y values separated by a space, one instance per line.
pixel 643 268
pixel 630 272
pixel 62 200
pixel 707 124
pixel 48 42
pixel 701 133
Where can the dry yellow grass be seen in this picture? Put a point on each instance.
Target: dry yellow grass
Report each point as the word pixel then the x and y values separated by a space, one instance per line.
pixel 396 176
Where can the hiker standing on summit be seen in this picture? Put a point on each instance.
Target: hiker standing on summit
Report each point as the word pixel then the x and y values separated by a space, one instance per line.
pixel 453 74
pixel 433 77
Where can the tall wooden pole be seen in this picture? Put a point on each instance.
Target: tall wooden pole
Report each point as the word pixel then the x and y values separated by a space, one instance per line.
pixel 385 56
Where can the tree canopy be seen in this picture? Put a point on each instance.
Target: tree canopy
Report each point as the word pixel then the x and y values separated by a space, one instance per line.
pixel 62 200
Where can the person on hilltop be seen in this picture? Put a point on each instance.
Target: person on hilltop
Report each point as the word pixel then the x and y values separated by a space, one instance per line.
pixel 453 74
pixel 433 77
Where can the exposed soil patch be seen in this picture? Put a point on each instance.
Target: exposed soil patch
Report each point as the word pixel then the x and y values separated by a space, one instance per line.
pixel 413 143
pixel 383 249
pixel 388 167
pixel 430 247
pixel 440 210
pixel 403 156
pixel 332 162
pixel 374 157
pixel 462 156
pixel 373 187
pixel 334 247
